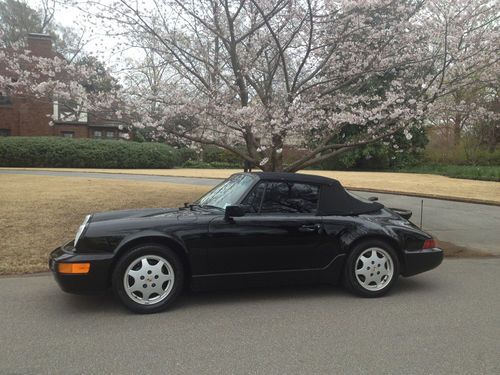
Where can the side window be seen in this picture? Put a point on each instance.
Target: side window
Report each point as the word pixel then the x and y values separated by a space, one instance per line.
pixel 67 134
pixel 4 97
pixel 254 198
pixel 289 197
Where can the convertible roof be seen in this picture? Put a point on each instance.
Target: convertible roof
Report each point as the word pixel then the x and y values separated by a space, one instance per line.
pixel 333 199
pixel 295 177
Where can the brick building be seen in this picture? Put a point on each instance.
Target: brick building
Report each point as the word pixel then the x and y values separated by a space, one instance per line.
pixel 24 116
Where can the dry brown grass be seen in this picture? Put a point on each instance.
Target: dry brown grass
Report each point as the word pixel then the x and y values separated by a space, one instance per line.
pixel 38 213
pixel 426 185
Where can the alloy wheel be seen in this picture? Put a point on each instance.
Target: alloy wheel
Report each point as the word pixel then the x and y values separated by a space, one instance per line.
pixel 374 269
pixel 149 279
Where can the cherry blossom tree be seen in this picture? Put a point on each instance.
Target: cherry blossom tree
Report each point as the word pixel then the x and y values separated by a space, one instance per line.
pixel 471 97
pixel 256 76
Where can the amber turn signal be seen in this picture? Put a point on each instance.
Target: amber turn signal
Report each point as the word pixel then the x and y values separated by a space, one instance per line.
pixel 74 268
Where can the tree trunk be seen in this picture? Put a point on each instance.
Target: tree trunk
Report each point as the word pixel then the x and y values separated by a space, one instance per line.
pixel 457 129
pixel 492 138
pixel 276 159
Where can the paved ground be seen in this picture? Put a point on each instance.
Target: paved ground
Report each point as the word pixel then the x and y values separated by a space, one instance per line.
pixel 441 322
pixel 474 226
pixel 110 176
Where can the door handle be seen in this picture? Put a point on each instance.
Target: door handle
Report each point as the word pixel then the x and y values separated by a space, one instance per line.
pixel 309 228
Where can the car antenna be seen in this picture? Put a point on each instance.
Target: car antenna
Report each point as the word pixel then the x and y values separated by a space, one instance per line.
pixel 421 212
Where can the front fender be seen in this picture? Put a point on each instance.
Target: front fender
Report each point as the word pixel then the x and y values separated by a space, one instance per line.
pixel 149 236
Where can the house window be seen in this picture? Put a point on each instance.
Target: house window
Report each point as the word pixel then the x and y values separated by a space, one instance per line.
pixel 4 132
pixel 4 98
pixel 68 134
pixel 110 134
pixel 97 134
pixel 69 112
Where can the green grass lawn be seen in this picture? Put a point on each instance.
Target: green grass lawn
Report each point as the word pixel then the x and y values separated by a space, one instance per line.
pixel 486 173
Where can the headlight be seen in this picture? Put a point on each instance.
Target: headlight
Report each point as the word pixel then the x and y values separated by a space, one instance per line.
pixel 81 229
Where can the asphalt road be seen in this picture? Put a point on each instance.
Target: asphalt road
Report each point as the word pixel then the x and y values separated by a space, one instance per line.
pixel 119 176
pixel 441 322
pixel 474 226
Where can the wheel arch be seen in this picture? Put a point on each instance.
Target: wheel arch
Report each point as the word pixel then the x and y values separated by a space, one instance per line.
pixel 154 239
pixel 380 237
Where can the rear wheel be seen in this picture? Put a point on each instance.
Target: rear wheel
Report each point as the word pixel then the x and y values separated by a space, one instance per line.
pixel 372 269
pixel 148 279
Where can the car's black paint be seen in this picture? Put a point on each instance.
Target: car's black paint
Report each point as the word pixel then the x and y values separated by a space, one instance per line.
pixel 254 249
pixel 96 279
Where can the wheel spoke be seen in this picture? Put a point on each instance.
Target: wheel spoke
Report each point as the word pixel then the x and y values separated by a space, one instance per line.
pixel 158 289
pixel 364 258
pixel 146 292
pixel 362 271
pixel 145 264
pixel 163 277
pixel 136 288
pixel 136 275
pixel 157 267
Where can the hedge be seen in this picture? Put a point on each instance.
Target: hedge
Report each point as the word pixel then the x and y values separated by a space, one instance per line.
pixel 211 165
pixel 58 152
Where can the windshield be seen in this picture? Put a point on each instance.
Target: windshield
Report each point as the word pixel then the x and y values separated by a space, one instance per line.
pixel 227 193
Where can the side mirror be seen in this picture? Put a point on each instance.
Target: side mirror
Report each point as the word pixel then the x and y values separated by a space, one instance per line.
pixel 234 211
pixel 373 199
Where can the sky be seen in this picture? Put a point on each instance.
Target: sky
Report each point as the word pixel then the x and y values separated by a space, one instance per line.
pixel 97 43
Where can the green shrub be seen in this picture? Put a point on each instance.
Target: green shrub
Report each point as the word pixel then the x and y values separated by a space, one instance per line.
pixel 56 152
pixel 465 153
pixel 213 154
pixel 381 155
pixel 486 173
pixel 212 165
pixel 186 154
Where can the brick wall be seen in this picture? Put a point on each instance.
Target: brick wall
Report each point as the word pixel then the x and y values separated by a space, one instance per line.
pixel 9 119
pixel 40 45
pixel 25 117
pixel 28 117
pixel 78 130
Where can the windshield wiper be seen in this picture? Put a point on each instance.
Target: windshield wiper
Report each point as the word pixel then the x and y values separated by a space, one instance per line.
pixel 204 206
pixel 210 207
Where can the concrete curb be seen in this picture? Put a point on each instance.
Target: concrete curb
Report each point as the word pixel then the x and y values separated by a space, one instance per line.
pixel 425 195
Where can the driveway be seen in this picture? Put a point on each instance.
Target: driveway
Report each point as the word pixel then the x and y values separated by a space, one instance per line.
pixel 441 322
pixel 471 225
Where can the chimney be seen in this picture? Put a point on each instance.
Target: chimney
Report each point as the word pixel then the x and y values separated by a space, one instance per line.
pixel 40 45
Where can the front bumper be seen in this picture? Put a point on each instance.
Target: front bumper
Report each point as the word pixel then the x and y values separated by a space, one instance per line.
pixel 422 260
pixel 97 279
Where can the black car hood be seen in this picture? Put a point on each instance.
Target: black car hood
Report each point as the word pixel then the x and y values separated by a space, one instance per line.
pixel 141 213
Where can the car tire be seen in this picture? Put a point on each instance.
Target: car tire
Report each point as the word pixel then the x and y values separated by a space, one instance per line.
pixel 371 269
pixel 148 278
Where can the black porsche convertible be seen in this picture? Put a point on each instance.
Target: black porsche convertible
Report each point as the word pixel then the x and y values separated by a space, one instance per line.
pixel 253 229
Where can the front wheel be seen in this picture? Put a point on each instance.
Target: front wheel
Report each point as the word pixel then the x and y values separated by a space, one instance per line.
pixel 148 279
pixel 372 269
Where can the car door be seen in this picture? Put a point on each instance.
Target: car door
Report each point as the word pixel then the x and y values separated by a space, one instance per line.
pixel 280 232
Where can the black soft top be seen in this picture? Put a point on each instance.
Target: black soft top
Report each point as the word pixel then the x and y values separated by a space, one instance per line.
pixel 333 198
